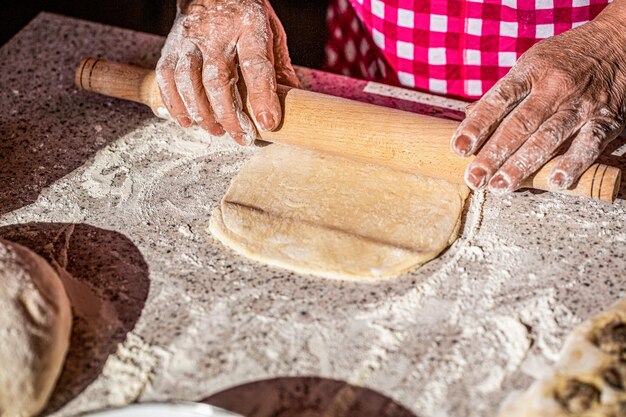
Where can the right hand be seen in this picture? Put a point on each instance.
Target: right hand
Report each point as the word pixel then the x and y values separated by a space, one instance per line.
pixel 197 72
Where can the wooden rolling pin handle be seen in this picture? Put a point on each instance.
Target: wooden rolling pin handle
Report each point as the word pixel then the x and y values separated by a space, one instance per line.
pixel 123 81
pixel 364 132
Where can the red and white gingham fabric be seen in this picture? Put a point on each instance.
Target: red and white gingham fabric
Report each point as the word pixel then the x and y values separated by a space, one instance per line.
pixel 457 48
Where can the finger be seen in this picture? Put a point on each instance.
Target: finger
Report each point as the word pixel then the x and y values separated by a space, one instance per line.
pixel 285 74
pixel 188 77
pixel 512 132
pixel 533 154
pixel 255 57
pixel 165 76
pixel 488 112
pixel 584 150
pixel 219 78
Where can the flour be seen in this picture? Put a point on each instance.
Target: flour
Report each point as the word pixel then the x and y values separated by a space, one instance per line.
pixel 124 378
pixel 190 60
pixel 458 335
pixel 100 177
pixel 450 339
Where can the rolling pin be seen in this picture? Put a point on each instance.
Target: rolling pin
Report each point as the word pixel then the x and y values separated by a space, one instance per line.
pixel 363 132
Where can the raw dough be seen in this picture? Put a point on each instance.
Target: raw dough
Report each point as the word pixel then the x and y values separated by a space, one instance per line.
pixel 35 324
pixel 589 379
pixel 329 216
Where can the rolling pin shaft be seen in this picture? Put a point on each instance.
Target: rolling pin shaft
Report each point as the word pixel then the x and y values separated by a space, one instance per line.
pixel 364 132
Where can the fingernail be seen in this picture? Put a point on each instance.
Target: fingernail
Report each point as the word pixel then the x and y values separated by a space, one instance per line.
pixel 476 178
pixel 216 130
pixel 243 139
pixel 462 145
pixel 249 138
pixel 559 180
pixel 240 138
pixel 183 121
pixel 499 184
pixel 266 120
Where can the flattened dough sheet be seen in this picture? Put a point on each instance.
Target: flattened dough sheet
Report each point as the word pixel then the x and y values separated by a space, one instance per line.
pixel 329 216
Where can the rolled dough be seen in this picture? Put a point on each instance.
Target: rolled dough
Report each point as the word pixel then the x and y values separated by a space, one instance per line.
pixel 35 324
pixel 329 216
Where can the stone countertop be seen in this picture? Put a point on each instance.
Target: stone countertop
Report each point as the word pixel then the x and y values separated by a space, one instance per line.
pixel 125 198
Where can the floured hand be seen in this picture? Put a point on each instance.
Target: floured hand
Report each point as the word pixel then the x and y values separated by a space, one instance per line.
pixel 197 73
pixel 569 87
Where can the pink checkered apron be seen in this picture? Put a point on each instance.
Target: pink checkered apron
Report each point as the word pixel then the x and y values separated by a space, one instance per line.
pixel 458 48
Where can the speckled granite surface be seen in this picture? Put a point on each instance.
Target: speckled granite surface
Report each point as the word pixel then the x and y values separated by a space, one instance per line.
pixel 129 196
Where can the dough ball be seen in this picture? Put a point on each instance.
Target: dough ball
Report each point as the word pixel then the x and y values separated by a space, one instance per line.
pixel 35 325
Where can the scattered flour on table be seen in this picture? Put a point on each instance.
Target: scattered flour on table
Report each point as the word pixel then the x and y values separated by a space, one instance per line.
pixel 450 339
pixel 124 378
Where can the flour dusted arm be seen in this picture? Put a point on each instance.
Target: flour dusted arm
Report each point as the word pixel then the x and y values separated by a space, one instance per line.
pixel 210 41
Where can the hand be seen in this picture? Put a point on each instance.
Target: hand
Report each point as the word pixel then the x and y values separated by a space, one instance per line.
pixel 197 73
pixel 571 87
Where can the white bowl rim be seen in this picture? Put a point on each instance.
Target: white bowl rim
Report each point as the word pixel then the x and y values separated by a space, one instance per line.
pixel 164 409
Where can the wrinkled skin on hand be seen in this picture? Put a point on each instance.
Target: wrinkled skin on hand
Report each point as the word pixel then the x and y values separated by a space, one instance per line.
pixel 198 70
pixel 566 92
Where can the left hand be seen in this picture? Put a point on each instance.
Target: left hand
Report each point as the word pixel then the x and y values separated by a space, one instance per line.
pixel 571 86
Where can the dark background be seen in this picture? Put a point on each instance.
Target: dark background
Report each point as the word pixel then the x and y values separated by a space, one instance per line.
pixel 304 20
